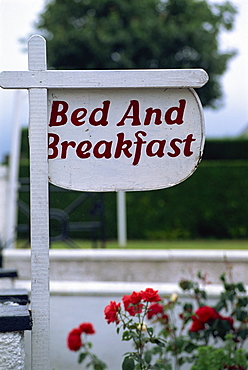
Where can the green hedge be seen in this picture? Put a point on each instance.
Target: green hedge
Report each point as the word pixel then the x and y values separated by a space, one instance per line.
pixel 212 203
pixel 226 149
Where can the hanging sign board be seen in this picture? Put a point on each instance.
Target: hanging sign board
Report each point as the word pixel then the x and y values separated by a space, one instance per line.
pixel 123 139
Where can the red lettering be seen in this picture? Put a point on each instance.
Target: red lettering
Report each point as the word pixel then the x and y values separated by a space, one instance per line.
pixel 139 144
pixel 83 148
pixel 65 145
pixel 122 146
pixel 53 145
pixel 134 106
pixel 55 113
pixel 188 141
pixel 179 113
pixel 107 150
pixel 174 147
pixel 77 118
pixel 149 112
pixel 159 151
pixel 104 115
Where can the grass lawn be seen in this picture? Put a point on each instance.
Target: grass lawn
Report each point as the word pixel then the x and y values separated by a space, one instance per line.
pixel 155 244
pixel 149 244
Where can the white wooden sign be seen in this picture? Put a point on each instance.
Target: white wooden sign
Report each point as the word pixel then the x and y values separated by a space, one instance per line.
pixel 100 131
pixel 123 139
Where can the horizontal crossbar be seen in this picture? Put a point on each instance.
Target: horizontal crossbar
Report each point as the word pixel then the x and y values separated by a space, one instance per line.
pixel 163 78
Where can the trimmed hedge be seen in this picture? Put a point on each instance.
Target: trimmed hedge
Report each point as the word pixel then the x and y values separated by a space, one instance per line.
pixel 226 149
pixel 212 203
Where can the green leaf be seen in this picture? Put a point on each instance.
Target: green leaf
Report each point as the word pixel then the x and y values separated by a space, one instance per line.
pixel 150 331
pixel 190 347
pixel 241 315
pixel 127 335
pixel 223 277
pixel 181 361
pixel 199 274
pixel 81 357
pixel 240 287
pixel 128 364
pixel 186 284
pixel 179 342
pixel 221 304
pixel 188 307
pixel 159 343
pixel 99 367
pixel 242 301
pixel 148 357
pixel 243 333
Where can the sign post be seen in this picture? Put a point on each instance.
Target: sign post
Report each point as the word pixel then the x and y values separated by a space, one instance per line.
pixel 101 131
pixel 40 304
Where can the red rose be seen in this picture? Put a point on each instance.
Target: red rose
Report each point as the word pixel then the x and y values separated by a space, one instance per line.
pixel 126 301
pixel 87 327
pixel 132 303
pixel 150 295
pixel 74 340
pixel 206 313
pixel 135 297
pixel 133 310
pixel 111 312
pixel 154 309
pixel 196 325
pixel 202 316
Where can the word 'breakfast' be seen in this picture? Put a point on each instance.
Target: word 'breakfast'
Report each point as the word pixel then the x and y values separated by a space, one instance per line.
pixel 120 145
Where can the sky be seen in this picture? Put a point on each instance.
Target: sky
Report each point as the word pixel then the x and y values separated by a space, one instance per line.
pixel 17 19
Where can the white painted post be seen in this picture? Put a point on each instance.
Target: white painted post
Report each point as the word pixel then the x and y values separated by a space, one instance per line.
pixel 121 218
pixel 39 211
pixel 11 216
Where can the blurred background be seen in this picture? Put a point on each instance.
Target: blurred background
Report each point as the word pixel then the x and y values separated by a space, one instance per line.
pixel 114 34
pixel 207 211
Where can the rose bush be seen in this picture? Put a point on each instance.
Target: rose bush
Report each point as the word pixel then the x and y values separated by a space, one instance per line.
pixel 130 317
pixel 201 325
pixel 167 329
pixel 207 315
pixel 75 343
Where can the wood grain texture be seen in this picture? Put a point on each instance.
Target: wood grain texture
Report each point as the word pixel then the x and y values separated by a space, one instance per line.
pixel 39 213
pixel 167 78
